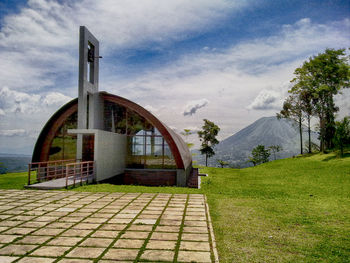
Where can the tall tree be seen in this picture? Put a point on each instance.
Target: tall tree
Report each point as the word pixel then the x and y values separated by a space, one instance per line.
pixel 293 110
pixel 324 76
pixel 259 155
pixel 342 134
pixel 275 149
pixel 208 138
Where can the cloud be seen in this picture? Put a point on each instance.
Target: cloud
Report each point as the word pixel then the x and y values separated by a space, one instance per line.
pixel 192 106
pixel 12 101
pixel 266 100
pixel 12 133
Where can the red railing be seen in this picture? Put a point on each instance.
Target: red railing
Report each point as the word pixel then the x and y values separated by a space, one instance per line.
pixel 80 172
pixel 45 171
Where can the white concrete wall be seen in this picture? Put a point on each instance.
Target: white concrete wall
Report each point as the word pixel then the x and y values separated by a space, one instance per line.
pixel 110 154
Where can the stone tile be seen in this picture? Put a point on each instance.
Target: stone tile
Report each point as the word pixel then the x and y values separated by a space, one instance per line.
pixel 113 227
pixel 96 242
pixel 120 220
pixel 148 216
pixel 59 225
pixel 48 231
pixel 195 223
pixel 103 233
pixel 197 218
pixel 10 223
pixel 22 218
pixel 86 226
pixel 145 221
pixel 36 260
pixel 172 217
pixel 193 245
pixel 66 209
pixel 129 243
pixel 16 249
pixel 85 252
pixel 64 241
pixel 164 236
pixel 195 237
pixel 8 238
pixel 45 219
pixel 20 231
pixel 33 240
pixel 135 235
pixel 5 259
pixel 161 244
pixel 34 224
pixel 191 256
pixel 95 220
pixel 195 229
pixel 70 219
pixel 175 229
pixel 68 260
pixel 167 222
pixel 50 251
pixel 141 227
pixel 125 216
pixel 103 215
pixel 76 233
pixel 121 254
pixel 158 255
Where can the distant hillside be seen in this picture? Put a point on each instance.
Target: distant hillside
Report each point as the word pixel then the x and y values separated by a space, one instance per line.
pixel 10 163
pixel 266 131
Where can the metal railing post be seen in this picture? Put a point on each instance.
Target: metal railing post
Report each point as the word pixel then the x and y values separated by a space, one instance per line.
pixel 29 172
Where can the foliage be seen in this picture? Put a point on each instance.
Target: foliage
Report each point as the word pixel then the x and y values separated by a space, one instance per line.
pixel 208 138
pixel 259 155
pixel 321 78
pixel 275 149
pixel 222 163
pixel 186 133
pixel 293 110
pixel 342 134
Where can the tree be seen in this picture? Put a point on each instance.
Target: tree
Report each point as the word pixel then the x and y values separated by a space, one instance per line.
pixel 208 138
pixel 293 110
pixel 259 155
pixel 222 163
pixel 275 149
pixel 186 133
pixel 323 76
pixel 342 134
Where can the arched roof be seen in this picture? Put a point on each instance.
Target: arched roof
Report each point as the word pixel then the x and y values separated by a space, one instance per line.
pixel 177 146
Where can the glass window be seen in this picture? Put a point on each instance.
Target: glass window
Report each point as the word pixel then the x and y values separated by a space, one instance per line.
pixel 63 146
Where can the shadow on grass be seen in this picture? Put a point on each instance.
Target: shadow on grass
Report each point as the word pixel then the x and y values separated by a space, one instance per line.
pixel 337 156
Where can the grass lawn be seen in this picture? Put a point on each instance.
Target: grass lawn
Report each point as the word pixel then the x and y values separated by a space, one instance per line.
pixel 291 210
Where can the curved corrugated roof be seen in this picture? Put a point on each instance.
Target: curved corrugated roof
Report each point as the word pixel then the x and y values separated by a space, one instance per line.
pixel 178 147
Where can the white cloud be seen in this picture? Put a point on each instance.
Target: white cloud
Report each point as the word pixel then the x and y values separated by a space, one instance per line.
pixel 266 100
pixel 194 105
pixel 12 101
pixel 11 133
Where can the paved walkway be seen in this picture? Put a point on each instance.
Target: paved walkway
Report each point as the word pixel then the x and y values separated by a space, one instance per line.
pixel 56 183
pixel 68 226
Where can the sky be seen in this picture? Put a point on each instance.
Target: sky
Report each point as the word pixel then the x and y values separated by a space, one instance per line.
pixel 227 61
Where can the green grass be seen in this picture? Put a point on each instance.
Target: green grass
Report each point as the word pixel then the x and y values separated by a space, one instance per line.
pixel 291 210
pixel 13 180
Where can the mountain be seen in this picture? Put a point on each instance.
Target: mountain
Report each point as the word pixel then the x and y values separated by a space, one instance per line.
pixel 14 162
pixel 266 131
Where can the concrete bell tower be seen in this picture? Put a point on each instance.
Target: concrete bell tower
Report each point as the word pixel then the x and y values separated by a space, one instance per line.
pixel 88 99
